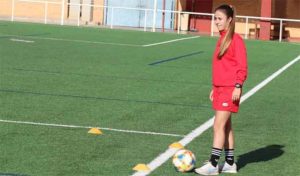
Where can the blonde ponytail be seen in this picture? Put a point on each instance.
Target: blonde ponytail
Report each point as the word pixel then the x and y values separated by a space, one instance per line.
pixel 230 13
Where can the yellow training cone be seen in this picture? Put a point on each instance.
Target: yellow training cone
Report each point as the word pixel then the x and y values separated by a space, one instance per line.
pixel 141 167
pixel 95 131
pixel 176 145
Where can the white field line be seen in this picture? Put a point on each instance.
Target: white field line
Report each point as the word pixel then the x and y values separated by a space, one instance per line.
pixel 19 40
pixel 70 40
pixel 94 42
pixel 88 127
pixel 162 158
pixel 170 41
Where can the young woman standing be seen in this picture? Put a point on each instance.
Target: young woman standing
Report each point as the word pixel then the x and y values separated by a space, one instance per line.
pixel 229 71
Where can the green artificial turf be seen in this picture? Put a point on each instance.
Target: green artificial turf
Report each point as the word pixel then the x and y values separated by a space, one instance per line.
pixel 104 78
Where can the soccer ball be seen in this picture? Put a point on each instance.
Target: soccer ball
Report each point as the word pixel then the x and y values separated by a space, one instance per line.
pixel 184 160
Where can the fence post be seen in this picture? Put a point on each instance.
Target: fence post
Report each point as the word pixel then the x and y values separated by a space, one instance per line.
pixel 212 25
pixel 246 32
pixel 280 31
pixel 112 18
pixel 78 18
pixel 46 11
pixel 178 23
pixel 154 16
pixel 145 22
pixel 62 12
pixel 12 10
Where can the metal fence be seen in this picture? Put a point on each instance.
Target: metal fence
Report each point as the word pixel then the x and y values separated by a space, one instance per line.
pixel 180 21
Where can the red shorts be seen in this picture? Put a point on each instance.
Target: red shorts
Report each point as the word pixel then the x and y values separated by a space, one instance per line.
pixel 222 99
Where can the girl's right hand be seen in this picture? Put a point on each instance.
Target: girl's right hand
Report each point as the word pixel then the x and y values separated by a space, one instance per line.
pixel 211 95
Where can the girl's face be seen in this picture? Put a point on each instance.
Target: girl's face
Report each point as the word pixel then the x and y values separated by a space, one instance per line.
pixel 221 20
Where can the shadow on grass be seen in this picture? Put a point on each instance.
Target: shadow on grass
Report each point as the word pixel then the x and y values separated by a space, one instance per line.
pixel 260 155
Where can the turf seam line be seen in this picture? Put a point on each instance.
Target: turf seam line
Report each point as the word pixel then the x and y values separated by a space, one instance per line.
pixel 104 76
pixel 105 98
pixel 88 127
pixel 163 157
pixel 170 41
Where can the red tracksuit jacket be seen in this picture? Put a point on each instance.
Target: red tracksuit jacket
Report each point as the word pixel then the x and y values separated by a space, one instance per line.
pixel 232 68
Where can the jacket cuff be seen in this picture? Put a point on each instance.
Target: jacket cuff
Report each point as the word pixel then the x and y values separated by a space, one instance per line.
pixel 239 82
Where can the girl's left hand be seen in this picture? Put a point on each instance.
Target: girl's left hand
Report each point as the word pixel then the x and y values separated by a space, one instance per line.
pixel 236 94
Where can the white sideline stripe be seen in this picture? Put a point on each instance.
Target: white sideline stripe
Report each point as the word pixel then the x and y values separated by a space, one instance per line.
pixel 88 127
pixel 170 41
pixel 94 42
pixel 162 158
pixel 70 40
pixel 270 78
pixel 19 40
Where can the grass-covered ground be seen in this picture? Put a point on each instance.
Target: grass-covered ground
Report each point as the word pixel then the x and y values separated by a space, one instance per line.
pixel 102 78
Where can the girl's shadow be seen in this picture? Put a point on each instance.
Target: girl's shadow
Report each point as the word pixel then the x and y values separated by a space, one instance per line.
pixel 262 154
